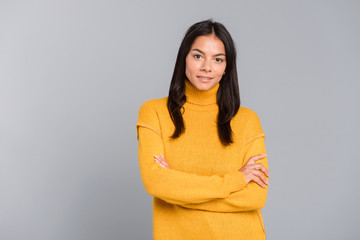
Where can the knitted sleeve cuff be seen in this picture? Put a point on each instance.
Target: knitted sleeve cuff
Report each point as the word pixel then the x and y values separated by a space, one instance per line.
pixel 237 181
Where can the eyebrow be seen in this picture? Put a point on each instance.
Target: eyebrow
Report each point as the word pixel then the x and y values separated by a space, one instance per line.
pixel 216 55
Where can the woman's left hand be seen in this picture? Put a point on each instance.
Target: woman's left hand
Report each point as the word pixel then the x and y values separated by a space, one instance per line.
pixel 161 160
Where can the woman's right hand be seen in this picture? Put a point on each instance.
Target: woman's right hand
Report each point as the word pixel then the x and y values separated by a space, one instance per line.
pixel 254 171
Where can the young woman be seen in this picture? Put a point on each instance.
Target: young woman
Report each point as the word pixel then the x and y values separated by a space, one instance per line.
pixel 202 155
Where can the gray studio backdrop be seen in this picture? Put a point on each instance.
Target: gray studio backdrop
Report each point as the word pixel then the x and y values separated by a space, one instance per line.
pixel 74 73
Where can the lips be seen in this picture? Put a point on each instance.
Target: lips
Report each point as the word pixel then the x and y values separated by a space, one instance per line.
pixel 204 78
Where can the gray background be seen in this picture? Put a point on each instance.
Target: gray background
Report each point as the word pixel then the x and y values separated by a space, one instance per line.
pixel 74 73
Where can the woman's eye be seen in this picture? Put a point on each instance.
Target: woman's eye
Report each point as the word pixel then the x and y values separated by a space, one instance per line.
pixel 219 60
pixel 197 56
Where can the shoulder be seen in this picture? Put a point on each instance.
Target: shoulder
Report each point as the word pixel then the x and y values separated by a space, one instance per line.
pixel 153 105
pixel 246 120
pixel 150 109
pixel 246 114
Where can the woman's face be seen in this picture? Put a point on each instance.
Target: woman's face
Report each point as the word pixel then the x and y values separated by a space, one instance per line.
pixel 206 62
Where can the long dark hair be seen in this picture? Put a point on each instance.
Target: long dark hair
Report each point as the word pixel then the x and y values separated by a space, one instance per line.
pixel 228 97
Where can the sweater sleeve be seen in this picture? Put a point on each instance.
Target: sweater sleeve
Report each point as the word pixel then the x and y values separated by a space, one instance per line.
pixel 253 196
pixel 171 185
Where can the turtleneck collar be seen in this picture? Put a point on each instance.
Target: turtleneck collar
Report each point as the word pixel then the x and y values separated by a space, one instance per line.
pixel 200 97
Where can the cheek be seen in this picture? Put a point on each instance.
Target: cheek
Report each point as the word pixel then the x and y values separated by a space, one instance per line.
pixel 220 71
pixel 190 68
pixel 187 71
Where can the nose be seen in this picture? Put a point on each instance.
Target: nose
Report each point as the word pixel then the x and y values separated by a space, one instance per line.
pixel 206 66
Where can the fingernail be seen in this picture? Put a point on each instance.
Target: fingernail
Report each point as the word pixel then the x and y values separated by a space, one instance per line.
pixel 161 155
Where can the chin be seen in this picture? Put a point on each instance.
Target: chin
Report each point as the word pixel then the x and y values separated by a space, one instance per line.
pixel 205 86
pixel 202 87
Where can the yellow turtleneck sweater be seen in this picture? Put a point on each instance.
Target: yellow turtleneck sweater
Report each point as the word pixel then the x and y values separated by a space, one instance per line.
pixel 203 195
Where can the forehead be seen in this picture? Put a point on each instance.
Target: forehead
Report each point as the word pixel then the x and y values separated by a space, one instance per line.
pixel 209 44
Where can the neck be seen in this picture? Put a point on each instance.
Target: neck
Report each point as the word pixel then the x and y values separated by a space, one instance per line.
pixel 200 97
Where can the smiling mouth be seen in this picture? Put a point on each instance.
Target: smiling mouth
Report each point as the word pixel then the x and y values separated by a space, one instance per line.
pixel 205 79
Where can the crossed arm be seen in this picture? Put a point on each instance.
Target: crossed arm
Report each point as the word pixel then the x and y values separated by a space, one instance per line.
pixel 252 196
pixel 178 187
pixel 231 192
